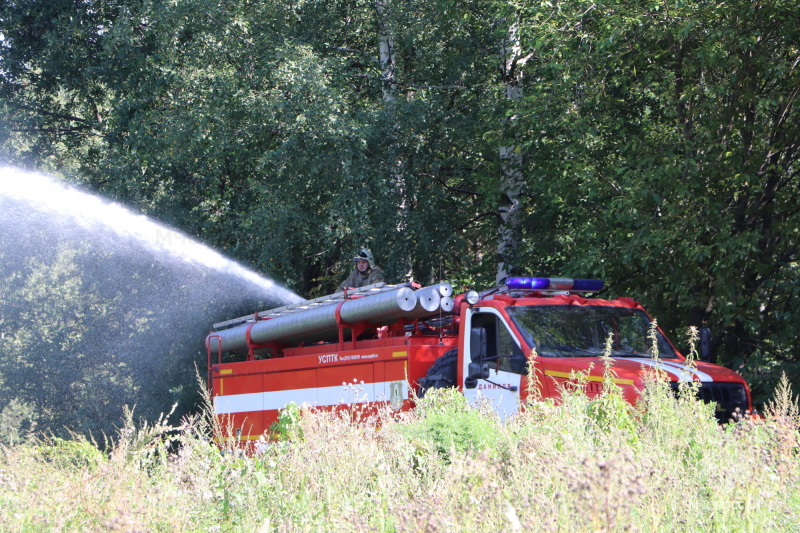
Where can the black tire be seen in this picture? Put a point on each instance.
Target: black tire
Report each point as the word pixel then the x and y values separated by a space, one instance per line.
pixel 441 375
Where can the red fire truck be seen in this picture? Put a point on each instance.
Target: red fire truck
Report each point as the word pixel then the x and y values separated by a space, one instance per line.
pixel 384 344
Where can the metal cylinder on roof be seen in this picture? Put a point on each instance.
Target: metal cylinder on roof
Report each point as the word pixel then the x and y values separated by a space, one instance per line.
pixel 428 302
pixel 445 289
pixel 446 304
pixel 317 324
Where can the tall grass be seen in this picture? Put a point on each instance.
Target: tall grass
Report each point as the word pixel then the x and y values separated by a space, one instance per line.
pixel 580 465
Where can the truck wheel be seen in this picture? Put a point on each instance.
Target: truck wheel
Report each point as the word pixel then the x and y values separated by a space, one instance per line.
pixel 441 375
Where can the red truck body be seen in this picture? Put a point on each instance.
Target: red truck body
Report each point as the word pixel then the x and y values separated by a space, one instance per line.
pixel 501 345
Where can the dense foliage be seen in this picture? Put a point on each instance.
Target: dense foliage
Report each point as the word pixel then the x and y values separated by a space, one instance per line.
pixel 656 142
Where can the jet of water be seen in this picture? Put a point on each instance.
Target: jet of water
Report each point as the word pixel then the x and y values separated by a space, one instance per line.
pixel 101 307
pixel 93 213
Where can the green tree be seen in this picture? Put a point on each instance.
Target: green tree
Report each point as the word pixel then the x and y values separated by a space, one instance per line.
pixel 668 137
pixel 654 144
pixel 53 102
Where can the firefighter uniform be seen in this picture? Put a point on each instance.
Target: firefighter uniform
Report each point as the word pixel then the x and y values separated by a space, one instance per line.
pixel 357 278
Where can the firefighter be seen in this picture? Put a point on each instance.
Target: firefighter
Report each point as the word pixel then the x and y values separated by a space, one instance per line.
pixel 365 273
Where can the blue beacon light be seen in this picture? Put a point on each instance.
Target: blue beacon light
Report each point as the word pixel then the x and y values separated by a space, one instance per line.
pixel 588 285
pixel 555 284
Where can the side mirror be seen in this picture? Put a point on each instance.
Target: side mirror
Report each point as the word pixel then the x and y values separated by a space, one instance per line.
pixel 476 371
pixel 477 344
pixel 705 345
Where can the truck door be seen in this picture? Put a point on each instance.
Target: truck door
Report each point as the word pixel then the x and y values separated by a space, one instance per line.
pixel 488 340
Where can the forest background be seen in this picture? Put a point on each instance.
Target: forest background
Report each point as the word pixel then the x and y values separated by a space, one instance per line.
pixel 651 144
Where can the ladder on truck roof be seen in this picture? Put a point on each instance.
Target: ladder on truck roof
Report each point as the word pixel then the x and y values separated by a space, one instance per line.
pixel 330 299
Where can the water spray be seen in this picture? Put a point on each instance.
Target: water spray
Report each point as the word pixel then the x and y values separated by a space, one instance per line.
pixel 104 307
pixel 94 213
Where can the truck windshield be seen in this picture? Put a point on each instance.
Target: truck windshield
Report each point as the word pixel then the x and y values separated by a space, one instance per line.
pixel 584 331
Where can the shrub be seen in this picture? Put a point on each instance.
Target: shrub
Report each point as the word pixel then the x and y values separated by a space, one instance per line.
pixel 445 420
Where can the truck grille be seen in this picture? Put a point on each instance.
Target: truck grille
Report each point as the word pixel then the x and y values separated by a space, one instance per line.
pixel 728 397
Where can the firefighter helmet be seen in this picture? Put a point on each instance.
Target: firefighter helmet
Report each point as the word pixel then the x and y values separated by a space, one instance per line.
pixel 364 253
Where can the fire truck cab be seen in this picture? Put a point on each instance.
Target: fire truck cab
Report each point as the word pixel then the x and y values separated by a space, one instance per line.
pixel 390 344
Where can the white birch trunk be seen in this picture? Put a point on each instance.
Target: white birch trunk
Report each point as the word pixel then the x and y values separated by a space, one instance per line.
pixel 389 88
pixel 386 51
pixel 511 162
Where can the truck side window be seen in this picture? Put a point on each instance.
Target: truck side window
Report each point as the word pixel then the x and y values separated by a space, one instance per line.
pixel 511 359
pixel 501 348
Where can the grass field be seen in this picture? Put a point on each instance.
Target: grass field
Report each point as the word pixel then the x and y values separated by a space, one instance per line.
pixel 581 465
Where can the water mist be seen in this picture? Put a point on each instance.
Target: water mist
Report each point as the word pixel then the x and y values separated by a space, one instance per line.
pixel 102 307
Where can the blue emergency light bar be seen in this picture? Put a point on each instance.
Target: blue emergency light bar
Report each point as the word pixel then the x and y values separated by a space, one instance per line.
pixel 555 284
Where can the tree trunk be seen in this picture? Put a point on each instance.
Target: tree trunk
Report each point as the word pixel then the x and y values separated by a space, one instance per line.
pixel 511 163
pixel 386 52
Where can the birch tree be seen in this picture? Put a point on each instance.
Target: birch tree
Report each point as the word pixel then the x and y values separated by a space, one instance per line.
pixel 512 179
